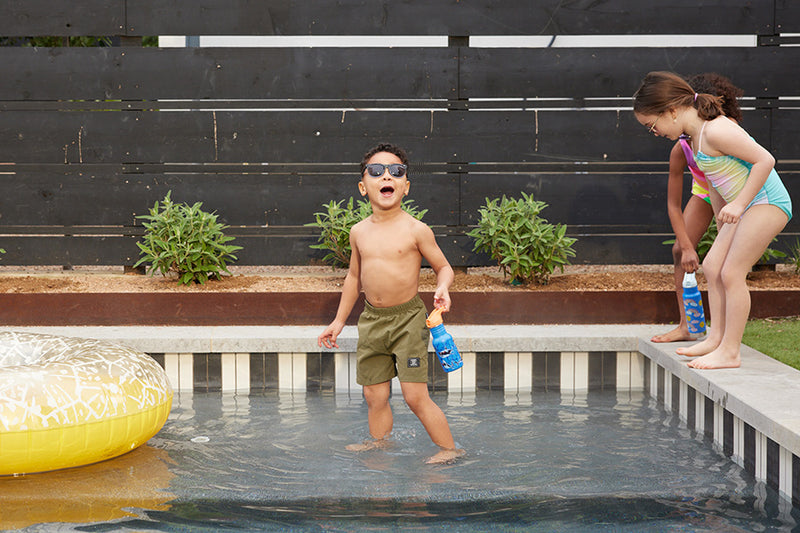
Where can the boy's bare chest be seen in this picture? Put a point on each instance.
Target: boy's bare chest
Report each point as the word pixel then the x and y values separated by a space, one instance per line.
pixel 387 244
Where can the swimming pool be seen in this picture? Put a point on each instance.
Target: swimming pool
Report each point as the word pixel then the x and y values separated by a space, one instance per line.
pixel 600 461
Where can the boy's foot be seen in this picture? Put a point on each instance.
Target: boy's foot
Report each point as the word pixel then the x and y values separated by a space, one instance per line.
pixel 375 444
pixel 716 359
pixel 445 457
pixel 675 335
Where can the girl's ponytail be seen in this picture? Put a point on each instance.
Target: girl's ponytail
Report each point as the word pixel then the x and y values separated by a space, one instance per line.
pixel 708 106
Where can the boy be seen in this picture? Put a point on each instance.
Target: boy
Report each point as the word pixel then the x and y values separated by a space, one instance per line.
pixel 387 251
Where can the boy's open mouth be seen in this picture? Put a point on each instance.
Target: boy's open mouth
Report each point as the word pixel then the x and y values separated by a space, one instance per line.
pixel 387 190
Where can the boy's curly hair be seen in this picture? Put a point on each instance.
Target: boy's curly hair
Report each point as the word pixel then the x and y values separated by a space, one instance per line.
pixel 384 147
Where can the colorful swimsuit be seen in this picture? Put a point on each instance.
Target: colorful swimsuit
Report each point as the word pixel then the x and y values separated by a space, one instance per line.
pixel 699 182
pixel 728 174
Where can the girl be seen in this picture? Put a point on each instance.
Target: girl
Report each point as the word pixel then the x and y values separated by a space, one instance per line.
pixel 690 224
pixel 751 203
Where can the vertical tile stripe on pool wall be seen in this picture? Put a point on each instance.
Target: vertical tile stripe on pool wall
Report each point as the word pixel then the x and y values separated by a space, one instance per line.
pixel 796 480
pixel 749 449
pixel 727 433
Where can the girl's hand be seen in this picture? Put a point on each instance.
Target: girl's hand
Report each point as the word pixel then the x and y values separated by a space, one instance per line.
pixel 730 214
pixel 690 261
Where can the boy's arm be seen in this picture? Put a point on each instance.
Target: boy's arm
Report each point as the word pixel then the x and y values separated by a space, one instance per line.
pixel 426 242
pixel 350 291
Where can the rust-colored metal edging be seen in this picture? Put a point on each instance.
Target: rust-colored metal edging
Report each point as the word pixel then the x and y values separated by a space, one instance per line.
pixel 310 308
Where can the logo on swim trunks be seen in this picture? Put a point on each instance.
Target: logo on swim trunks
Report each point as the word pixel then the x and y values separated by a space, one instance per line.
pixel 413 362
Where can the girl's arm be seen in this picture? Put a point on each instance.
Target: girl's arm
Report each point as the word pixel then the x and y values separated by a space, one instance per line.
pixel 725 137
pixel 717 203
pixel 677 164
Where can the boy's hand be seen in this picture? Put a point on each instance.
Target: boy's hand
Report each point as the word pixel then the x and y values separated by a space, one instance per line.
pixel 328 337
pixel 441 298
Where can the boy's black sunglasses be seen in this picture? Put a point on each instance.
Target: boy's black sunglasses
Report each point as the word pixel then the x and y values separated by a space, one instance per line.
pixel 396 170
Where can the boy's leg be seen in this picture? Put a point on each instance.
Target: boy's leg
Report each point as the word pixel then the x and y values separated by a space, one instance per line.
pixel 433 419
pixel 379 416
pixel 379 412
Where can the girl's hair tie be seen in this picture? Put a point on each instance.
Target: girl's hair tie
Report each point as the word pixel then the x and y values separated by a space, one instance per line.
pixel 695 97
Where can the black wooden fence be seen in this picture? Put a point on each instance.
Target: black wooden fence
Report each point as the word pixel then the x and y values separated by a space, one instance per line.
pixel 92 137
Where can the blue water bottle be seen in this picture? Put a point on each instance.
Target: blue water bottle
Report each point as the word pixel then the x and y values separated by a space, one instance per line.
pixel 443 342
pixel 693 305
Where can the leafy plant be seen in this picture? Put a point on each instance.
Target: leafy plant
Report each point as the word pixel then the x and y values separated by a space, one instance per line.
pixel 185 240
pixel 526 247
pixel 794 256
pixel 704 245
pixel 335 223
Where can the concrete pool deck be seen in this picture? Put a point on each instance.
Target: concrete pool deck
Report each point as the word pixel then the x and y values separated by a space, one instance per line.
pixel 752 413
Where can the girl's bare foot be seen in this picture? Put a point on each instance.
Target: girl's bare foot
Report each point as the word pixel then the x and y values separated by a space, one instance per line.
pixel 696 350
pixel 717 359
pixel 375 444
pixel 675 335
pixel 445 456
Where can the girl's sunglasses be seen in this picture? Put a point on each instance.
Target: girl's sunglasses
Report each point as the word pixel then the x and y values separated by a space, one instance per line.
pixel 396 170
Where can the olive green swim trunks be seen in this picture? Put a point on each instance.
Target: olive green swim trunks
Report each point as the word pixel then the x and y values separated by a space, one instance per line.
pixel 393 341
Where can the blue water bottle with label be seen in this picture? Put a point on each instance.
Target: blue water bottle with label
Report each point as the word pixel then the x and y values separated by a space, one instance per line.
pixel 693 305
pixel 443 342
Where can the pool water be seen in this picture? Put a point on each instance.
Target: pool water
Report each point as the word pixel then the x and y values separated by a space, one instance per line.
pixel 605 461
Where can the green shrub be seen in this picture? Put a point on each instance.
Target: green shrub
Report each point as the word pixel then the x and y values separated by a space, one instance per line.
pixel 794 256
pixel 526 247
pixel 335 223
pixel 708 239
pixel 185 240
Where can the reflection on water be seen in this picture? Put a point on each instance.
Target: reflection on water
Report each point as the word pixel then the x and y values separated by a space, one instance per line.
pixel 93 493
pixel 542 462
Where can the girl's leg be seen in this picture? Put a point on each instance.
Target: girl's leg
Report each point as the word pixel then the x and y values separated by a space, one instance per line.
pixel 712 268
pixel 696 216
pixel 757 227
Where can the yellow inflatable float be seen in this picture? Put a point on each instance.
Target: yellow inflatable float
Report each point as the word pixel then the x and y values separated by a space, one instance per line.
pixel 68 402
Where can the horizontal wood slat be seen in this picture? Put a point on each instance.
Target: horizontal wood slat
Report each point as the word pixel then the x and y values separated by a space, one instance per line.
pixel 227 73
pixel 294 250
pixel 591 248
pixel 787 16
pixel 339 75
pixel 607 72
pixel 277 250
pixel 355 17
pixel 292 200
pixel 329 136
pixel 239 200
pixel 45 17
